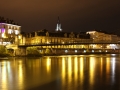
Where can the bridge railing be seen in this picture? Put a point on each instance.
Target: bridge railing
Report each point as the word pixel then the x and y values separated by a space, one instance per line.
pixel 68 43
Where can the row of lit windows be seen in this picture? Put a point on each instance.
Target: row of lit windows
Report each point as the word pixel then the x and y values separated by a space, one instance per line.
pixel 10 31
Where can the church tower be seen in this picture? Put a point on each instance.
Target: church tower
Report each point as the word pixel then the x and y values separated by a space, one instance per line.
pixel 58 27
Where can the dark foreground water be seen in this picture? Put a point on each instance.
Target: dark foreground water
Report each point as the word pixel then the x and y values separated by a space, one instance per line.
pixel 85 72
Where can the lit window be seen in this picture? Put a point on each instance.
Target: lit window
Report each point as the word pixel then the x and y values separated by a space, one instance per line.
pixel 84 51
pixel 3 30
pixel 16 32
pixel 19 37
pixel 10 31
pixel 3 35
pixel 75 51
pixel 66 51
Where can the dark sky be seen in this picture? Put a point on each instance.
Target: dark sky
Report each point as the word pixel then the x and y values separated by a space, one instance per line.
pixel 75 15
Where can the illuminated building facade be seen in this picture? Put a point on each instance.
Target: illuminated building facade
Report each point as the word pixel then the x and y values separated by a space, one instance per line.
pixel 44 36
pixel 101 36
pixel 9 31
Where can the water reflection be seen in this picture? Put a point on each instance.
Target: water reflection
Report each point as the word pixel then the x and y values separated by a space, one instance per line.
pixel 84 72
pixel 48 64
pixel 4 76
pixel 92 69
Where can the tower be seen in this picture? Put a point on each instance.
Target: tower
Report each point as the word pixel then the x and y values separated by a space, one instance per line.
pixel 58 27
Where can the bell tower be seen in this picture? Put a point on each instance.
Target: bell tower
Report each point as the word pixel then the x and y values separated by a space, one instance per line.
pixel 58 27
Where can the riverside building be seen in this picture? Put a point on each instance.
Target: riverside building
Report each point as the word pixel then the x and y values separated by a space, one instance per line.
pixel 56 42
pixel 9 32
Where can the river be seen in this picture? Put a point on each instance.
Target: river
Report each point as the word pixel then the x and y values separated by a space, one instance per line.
pixel 69 72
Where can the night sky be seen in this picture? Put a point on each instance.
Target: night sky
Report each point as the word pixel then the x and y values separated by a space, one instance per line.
pixel 75 15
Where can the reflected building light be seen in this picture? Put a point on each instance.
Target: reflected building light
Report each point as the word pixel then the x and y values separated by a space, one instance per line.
pixel 113 54
pixel 48 64
pixel 63 70
pixel 69 69
pixel 108 65
pixel 101 65
pixel 113 69
pixel 76 68
pixel 4 77
pixel 20 75
pixel 81 69
pixel 92 67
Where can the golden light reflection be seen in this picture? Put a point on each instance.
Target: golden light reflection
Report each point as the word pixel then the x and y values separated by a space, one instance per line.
pixel 4 76
pixel 76 68
pixel 81 69
pixel 92 69
pixel 69 69
pixel 20 75
pixel 107 65
pixel 63 70
pixel 48 64
pixel 101 65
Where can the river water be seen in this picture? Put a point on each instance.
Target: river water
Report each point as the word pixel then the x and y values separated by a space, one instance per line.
pixel 70 72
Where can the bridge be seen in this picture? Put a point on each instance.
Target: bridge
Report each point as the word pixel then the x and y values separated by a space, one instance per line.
pixel 66 43
pixel 73 48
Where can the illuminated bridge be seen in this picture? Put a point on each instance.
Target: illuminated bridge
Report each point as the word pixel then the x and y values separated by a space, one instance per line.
pixel 73 48
pixel 70 43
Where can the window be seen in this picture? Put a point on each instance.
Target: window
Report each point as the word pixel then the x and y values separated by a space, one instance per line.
pixel 16 32
pixel 10 31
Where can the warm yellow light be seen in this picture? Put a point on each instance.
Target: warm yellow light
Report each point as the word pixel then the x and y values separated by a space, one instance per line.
pixel 19 37
pixel 3 35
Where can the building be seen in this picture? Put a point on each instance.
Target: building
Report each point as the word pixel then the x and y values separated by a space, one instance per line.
pixel 9 32
pixel 44 36
pixel 102 36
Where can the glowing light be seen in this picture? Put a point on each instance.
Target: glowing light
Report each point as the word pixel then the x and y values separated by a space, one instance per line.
pixel 20 75
pixel 81 69
pixel 92 50
pixel 16 32
pixel 108 65
pixel 4 76
pixel 66 51
pixel 92 67
pixel 63 70
pixel 48 64
pixel 84 51
pixel 113 69
pixel 112 45
pixel 3 30
pixel 10 31
pixel 75 51
pixel 19 37
pixel 69 69
pixel 76 68
pixel 3 35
